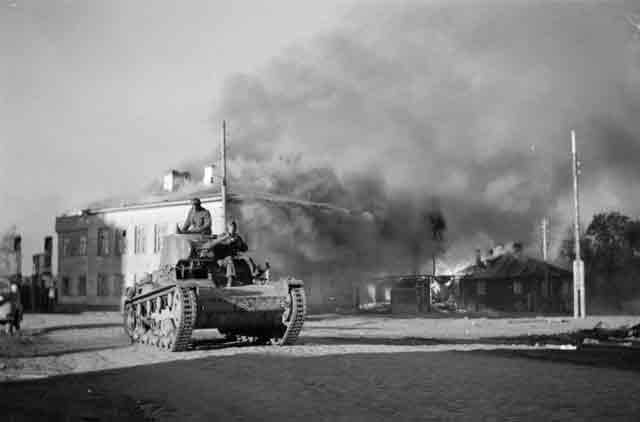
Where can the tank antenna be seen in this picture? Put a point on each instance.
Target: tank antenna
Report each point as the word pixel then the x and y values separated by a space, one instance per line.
pixel 223 180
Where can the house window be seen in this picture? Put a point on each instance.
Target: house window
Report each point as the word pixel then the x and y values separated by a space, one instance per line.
pixel 82 248
pixel 66 286
pixel 159 231
pixel 104 242
pixel 121 242
pixel 117 285
pixel 481 288
pixel 66 246
pixel 139 240
pixel 103 286
pixel 82 285
pixel 518 288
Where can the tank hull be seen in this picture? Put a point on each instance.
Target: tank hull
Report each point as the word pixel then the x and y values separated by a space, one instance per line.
pixel 165 316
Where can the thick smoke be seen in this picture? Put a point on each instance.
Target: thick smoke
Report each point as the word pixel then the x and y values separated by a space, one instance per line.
pixel 470 102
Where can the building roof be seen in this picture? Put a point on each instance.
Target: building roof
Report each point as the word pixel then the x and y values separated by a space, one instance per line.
pixel 157 197
pixel 512 265
pixel 206 193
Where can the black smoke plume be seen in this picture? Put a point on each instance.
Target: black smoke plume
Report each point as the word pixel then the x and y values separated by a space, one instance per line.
pixel 470 102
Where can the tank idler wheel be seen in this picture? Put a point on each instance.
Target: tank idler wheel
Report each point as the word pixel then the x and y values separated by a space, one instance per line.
pixel 292 317
pixel 130 323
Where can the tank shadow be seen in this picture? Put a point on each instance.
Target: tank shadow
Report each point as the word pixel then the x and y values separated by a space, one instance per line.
pixel 215 344
pixel 434 341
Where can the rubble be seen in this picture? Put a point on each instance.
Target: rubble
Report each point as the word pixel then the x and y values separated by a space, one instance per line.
pixel 602 336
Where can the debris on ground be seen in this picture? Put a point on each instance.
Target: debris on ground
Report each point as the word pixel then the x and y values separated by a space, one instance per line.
pixel 602 336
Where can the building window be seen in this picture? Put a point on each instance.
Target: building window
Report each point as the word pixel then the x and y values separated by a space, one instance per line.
pixel 82 247
pixel 82 285
pixel 66 246
pixel 518 288
pixel 121 242
pixel 66 286
pixel 104 242
pixel 74 244
pixel 159 231
pixel 140 240
pixel 118 281
pixel 103 285
pixel 481 288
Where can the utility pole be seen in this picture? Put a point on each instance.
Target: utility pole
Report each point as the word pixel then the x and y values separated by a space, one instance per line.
pixel 545 257
pixel 545 246
pixel 223 181
pixel 579 301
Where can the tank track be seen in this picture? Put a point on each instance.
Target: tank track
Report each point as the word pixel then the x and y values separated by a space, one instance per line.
pixel 296 318
pixel 167 321
pixel 187 320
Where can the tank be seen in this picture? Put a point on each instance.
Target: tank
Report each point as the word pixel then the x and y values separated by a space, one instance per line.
pixel 195 289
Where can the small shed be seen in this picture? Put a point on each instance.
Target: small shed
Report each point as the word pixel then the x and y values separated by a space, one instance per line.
pixel 513 282
pixel 411 294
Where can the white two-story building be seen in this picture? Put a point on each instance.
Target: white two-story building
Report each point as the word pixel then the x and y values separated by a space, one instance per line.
pixel 107 247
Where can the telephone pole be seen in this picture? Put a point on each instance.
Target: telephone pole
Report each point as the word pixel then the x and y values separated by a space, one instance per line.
pixel 545 253
pixel 545 245
pixel 579 300
pixel 223 180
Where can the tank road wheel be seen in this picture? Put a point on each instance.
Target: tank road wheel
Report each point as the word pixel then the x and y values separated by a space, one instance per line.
pixel 295 308
pixel 164 319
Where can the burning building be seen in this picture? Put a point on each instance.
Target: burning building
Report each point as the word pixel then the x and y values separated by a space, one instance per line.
pixel 112 244
pixel 508 280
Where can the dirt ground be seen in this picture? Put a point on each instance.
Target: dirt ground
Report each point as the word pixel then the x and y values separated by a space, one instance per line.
pixel 344 367
pixel 59 344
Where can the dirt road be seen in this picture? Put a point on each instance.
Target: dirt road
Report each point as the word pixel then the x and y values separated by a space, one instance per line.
pixel 472 386
pixel 345 368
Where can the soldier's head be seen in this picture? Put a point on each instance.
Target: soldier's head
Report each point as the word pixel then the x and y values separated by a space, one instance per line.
pixel 195 203
pixel 232 227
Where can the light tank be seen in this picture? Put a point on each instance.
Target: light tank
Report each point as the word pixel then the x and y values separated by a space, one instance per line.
pixel 194 289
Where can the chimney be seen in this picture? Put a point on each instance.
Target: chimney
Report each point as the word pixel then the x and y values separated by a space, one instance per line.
pixel 517 248
pixel 173 179
pixel 209 175
pixel 478 258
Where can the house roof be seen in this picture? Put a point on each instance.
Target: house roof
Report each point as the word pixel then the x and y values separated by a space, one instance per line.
pixel 156 197
pixel 160 198
pixel 512 265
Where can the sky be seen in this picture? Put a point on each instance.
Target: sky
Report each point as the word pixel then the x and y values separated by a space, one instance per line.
pixel 97 98
pixel 471 102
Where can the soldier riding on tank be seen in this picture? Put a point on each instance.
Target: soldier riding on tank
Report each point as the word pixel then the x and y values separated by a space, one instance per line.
pixel 224 248
pixel 198 220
